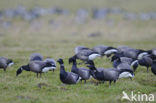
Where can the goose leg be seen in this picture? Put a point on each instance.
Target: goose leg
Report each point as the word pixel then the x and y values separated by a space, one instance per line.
pixel 147 69
pixel 53 70
pixel 37 75
pixel 4 69
pixel 103 82
pixel 114 81
pixel 110 83
pixel 85 81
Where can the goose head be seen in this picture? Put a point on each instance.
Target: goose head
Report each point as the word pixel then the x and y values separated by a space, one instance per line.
pixel 72 59
pixel 60 61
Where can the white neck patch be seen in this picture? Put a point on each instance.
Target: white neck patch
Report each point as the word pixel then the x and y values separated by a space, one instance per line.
pixel 141 55
pixel 10 64
pixel 136 61
pixel 93 56
pixel 126 75
pixel 110 51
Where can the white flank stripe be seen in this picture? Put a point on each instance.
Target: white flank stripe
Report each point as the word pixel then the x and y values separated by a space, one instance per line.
pixel 141 55
pixel 126 75
pixel 136 61
pixel 93 56
pixel 10 64
pixel 110 51
pixel 46 69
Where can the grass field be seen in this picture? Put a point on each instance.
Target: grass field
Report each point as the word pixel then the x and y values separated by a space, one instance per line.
pixel 58 41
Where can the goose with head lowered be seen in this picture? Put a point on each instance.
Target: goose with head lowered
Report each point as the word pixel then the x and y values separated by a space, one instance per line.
pixel 86 54
pixel 37 67
pixel 5 62
pixel 124 62
pixel 53 62
pixel 111 74
pixel 67 77
pixel 82 72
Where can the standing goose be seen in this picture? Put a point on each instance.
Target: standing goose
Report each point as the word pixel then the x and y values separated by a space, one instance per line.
pixel 5 62
pixel 52 61
pixel 67 77
pixel 38 67
pixel 82 72
pixel 145 61
pixel 153 67
pixel 36 56
pixel 111 74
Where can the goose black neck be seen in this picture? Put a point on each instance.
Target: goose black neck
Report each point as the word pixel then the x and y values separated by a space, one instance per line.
pixel 26 68
pixel 62 68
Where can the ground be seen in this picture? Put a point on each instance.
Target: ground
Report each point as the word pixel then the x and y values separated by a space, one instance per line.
pixel 58 40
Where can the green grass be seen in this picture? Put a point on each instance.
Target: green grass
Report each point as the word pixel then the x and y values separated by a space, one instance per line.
pixel 23 38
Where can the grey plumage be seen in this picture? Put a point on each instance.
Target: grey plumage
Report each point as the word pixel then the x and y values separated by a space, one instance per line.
pixel 38 67
pixel 36 56
pixel 111 74
pixel 100 49
pixel 145 61
pixel 5 62
pixel 86 54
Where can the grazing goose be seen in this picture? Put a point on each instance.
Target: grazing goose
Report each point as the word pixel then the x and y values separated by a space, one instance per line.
pixel 38 67
pixel 100 49
pixel 153 67
pixel 125 62
pixel 111 74
pixel 125 72
pixel 36 56
pixel 52 61
pixel 4 63
pixel 86 54
pixel 110 50
pixel 131 52
pixel 79 48
pixel 67 77
pixel 145 61
pixel 82 72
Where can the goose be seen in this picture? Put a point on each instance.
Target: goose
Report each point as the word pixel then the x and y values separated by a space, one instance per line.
pixel 79 48
pixel 82 72
pixel 36 56
pixel 110 74
pixel 122 73
pixel 5 62
pixel 38 67
pixel 67 77
pixel 145 61
pixel 153 67
pixel 86 55
pixel 53 62
pixel 131 52
pixel 122 62
pixel 110 50
pixel 100 49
